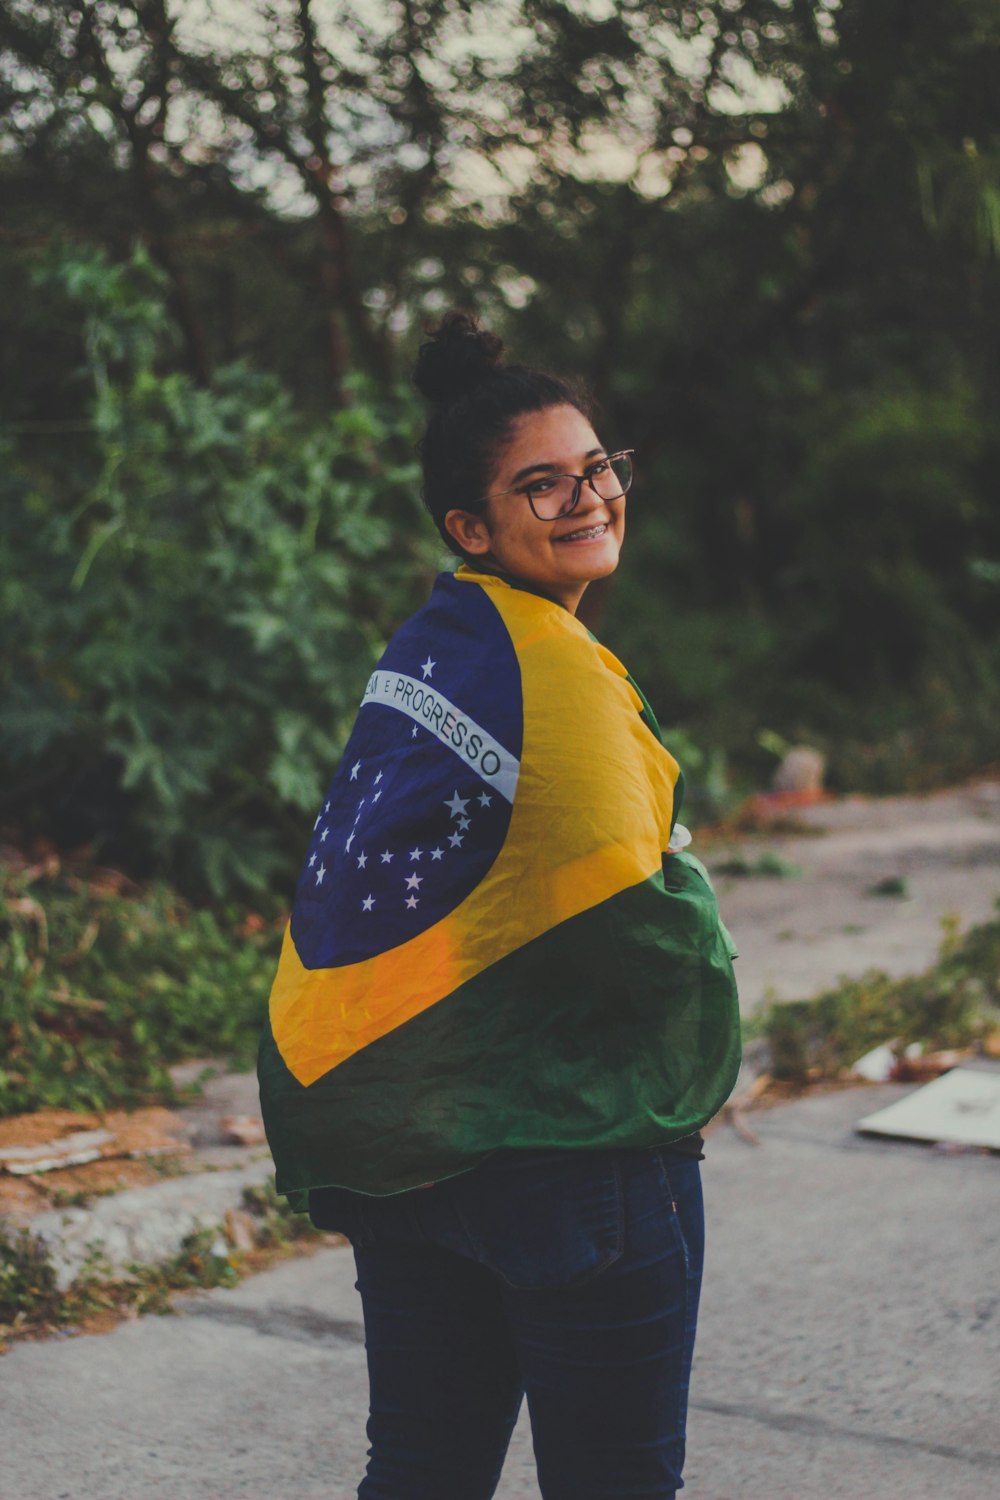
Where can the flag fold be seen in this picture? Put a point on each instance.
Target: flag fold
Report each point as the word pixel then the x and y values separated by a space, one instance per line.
pixel 495 941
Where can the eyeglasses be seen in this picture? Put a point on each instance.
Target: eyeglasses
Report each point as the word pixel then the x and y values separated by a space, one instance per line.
pixel 557 495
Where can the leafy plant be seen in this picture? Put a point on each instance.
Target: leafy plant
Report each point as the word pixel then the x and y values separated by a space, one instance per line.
pixel 101 990
pixel 198 603
pixel 31 1302
pixel 768 862
pixel 277 1222
pixel 952 1004
pixel 28 1287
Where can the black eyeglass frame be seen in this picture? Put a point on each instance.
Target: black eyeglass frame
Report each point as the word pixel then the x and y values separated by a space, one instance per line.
pixel 581 479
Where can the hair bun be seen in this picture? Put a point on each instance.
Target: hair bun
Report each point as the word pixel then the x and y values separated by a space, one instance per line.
pixel 457 356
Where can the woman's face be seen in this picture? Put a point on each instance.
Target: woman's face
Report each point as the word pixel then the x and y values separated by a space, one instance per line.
pixel 559 557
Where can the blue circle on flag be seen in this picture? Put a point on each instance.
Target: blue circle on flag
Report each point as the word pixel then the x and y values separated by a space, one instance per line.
pixel 419 807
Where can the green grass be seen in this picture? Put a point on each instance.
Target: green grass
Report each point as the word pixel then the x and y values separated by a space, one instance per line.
pixel 100 991
pixel 766 863
pixel 954 1003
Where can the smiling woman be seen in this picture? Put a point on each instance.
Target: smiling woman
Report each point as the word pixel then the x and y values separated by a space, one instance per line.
pixel 515 476
pixel 581 540
pixel 505 1005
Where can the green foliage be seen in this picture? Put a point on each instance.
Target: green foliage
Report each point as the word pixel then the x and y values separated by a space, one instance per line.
pixel 197 606
pixel 277 1222
pixel 891 885
pixel 28 1288
pixel 100 991
pixel 31 1302
pixel 202 1261
pixel 950 1005
pixel 768 862
pixel 764 233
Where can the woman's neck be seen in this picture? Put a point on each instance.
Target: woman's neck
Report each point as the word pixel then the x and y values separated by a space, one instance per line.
pixel 483 566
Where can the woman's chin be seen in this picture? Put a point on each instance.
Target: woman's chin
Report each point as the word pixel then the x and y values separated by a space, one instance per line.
pixel 589 562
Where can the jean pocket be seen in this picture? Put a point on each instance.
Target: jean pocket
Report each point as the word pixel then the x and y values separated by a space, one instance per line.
pixel 680 1184
pixel 544 1219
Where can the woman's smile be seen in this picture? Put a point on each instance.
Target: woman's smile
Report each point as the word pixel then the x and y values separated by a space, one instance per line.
pixel 591 534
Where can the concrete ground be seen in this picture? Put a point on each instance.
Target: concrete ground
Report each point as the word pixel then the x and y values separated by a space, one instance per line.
pixel 798 935
pixel 848 1346
pixel 848 1343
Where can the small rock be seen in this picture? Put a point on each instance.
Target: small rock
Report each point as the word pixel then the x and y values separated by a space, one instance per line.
pixel 892 885
pixel 239 1229
pixel 68 1151
pixel 801 770
pixel 877 1065
pixel 245 1130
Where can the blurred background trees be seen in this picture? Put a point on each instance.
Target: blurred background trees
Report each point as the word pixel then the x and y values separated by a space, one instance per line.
pixel 765 233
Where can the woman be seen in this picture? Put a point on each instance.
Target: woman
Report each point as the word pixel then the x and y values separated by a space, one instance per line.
pixel 505 1004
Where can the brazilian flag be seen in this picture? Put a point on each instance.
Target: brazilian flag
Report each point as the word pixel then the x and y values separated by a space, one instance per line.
pixel 494 941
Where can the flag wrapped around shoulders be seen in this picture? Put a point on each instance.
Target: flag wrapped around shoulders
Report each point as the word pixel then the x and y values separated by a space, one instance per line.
pixel 492 942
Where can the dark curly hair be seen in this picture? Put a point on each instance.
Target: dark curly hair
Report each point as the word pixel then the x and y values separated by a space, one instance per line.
pixel 477 400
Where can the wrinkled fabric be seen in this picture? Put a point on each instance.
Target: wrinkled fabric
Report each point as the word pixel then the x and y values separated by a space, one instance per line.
pixel 495 940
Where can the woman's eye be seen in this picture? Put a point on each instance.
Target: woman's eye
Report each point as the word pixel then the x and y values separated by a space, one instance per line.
pixel 541 486
pixel 601 467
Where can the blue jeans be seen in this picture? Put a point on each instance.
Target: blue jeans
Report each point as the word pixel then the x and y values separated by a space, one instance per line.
pixel 568 1276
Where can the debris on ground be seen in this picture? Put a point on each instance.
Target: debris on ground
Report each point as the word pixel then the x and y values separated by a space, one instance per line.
pixel 765 863
pixel 961 1108
pixel 64 1137
pixel 70 1151
pixel 891 885
pixel 54 1155
pixel 243 1130
pixel 888 1063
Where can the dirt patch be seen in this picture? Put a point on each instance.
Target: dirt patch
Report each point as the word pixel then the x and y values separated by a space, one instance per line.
pixel 141 1147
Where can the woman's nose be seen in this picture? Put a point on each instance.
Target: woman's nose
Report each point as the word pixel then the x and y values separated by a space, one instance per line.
pixel 589 502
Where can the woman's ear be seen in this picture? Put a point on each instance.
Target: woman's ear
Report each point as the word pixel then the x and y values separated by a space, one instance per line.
pixel 470 531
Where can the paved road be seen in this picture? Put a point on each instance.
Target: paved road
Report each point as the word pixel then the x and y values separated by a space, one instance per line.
pixel 848 1347
pixel 797 936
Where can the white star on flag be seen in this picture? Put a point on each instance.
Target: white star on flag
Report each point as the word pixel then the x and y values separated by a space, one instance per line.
pixel 456 804
pixel 316 824
pixel 411 901
pixel 376 796
pixel 312 860
pixel 324 835
pixel 378 778
pixel 327 807
pixel 368 903
pixel 485 801
pixel 350 841
pixel 428 668
pixel 456 840
pixel 463 823
pixel 413 881
pixel 386 857
pixel 437 854
pixel 319 874
pixel 413 732
pixel 362 860
pixel 416 853
pixel 355 769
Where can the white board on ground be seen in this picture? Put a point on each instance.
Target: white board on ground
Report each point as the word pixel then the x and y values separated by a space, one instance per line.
pixel 962 1107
